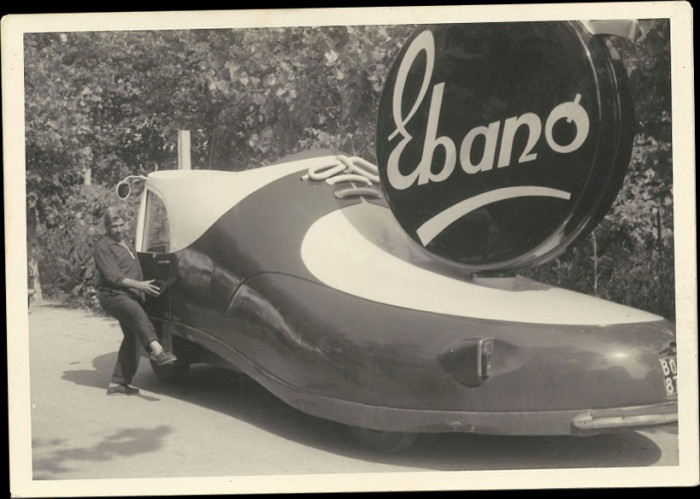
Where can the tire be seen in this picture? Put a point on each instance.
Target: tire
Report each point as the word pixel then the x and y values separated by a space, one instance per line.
pixel 388 442
pixel 172 373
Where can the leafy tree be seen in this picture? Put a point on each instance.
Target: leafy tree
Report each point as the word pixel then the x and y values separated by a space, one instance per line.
pixel 101 105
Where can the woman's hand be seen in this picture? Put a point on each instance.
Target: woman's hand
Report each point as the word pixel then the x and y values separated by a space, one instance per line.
pixel 149 287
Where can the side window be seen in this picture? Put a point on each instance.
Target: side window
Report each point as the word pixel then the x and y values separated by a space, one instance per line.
pixel 156 231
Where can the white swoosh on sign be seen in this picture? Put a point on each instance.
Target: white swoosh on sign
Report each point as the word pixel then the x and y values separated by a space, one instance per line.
pixel 433 227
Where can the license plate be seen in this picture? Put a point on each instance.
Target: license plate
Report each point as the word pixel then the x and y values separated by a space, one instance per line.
pixel 669 368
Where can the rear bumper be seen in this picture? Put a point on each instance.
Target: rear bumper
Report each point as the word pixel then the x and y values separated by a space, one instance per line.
pixel 568 422
pixel 627 417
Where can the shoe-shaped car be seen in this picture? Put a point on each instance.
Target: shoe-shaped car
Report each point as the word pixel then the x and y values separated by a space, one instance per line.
pixel 298 275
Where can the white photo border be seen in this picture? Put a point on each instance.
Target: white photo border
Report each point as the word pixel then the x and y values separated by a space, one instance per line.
pixel 15 26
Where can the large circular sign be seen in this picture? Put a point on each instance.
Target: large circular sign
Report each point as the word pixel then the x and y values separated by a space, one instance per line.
pixel 500 144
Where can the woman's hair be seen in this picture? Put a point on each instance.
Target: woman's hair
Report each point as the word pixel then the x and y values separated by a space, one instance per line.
pixel 111 214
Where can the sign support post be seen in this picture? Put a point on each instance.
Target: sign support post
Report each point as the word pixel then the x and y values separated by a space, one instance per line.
pixel 183 150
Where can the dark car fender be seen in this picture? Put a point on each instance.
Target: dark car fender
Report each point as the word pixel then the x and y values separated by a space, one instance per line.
pixel 333 345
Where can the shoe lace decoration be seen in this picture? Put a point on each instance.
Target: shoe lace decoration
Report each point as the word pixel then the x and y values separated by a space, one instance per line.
pixel 360 174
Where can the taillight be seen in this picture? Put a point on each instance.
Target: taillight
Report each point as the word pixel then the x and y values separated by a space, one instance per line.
pixel 468 361
pixel 484 353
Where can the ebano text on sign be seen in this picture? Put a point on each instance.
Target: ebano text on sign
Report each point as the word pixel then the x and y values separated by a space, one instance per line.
pixel 571 111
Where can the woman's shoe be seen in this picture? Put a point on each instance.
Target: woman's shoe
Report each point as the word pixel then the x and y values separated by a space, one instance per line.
pixel 122 389
pixel 163 358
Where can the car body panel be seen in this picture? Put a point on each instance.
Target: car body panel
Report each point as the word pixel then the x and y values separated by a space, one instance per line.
pixel 330 306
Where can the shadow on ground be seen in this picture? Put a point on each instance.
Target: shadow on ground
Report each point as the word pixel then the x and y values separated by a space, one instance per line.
pixel 240 397
pixel 98 378
pixel 122 443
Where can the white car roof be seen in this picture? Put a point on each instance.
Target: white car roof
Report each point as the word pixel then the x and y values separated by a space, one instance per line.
pixel 196 199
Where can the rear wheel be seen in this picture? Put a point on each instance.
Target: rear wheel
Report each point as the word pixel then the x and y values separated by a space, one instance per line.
pixel 171 373
pixel 385 441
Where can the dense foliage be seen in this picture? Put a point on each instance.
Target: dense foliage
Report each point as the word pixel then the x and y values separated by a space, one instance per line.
pixel 629 256
pixel 101 105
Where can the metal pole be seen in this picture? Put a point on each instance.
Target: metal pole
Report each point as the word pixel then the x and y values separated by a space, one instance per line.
pixel 183 150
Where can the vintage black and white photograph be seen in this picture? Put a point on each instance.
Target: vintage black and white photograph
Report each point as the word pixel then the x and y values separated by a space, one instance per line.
pixel 357 249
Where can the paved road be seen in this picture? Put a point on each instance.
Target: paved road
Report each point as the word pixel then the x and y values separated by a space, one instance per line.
pixel 218 423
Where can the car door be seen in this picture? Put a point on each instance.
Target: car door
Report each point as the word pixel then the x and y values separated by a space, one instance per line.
pixel 157 262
